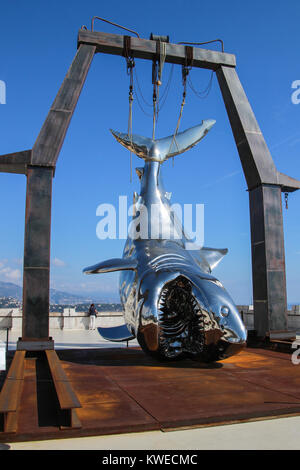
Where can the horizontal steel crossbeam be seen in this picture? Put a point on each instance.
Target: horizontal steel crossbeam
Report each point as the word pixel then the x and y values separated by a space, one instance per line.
pixel 146 49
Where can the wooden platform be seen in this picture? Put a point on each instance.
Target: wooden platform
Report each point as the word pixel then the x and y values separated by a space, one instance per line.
pixel 123 390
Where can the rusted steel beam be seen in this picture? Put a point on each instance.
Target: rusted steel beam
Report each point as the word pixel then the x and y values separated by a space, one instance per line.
pixel 288 184
pixel 15 162
pixel 146 49
pixel 265 185
pixel 268 261
pixel 254 154
pixel 51 137
pixel 35 323
pixel 257 162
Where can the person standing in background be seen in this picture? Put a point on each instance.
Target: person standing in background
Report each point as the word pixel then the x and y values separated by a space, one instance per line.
pixel 92 313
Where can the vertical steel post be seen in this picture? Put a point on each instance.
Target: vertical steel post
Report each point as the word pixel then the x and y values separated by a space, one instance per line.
pixel 40 171
pixel 267 242
pixel 36 274
pixel 268 261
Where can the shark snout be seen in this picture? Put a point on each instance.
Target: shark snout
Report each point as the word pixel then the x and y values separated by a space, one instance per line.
pixel 223 311
pixel 176 319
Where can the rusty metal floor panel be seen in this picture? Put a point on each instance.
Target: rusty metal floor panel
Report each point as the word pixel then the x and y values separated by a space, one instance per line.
pixel 123 390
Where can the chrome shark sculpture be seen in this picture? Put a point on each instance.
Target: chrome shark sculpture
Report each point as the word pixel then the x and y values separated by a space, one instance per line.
pixel 172 303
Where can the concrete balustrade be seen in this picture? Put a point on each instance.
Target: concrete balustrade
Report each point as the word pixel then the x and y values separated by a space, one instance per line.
pixel 69 319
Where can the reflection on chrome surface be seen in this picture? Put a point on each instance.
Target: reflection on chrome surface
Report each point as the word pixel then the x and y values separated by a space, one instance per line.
pixel 172 303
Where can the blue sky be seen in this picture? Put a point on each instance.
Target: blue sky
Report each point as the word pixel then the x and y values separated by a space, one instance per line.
pixel 37 45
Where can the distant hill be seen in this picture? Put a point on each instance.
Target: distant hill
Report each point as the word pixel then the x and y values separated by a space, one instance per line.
pixel 8 289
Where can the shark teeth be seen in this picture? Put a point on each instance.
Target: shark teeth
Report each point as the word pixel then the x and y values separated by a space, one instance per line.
pixel 181 320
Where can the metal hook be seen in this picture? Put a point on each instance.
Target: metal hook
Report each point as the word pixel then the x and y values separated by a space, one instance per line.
pixel 114 24
pixel 207 42
pixel 286 197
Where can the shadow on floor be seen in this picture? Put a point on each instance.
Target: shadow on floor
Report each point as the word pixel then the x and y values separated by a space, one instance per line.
pixel 47 402
pixel 129 357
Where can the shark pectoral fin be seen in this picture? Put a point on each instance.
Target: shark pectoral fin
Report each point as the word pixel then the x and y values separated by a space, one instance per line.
pixel 110 265
pixel 213 256
pixel 116 333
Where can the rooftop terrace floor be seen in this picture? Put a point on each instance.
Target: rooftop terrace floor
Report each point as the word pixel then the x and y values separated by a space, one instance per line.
pixel 249 401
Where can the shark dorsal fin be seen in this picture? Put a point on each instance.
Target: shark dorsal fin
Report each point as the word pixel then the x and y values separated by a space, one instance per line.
pixel 213 256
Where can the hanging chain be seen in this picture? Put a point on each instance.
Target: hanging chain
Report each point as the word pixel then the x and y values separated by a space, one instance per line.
pixel 286 198
pixel 130 64
pixel 154 96
pixel 162 98
pixel 184 72
pixel 157 70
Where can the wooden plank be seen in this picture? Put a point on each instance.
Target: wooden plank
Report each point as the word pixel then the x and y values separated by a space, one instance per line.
pixel 16 370
pixel 11 422
pixel 71 419
pixel 15 162
pixel 66 395
pixel 75 421
pixel 50 139
pixel 9 395
pixel 11 392
pixel 146 49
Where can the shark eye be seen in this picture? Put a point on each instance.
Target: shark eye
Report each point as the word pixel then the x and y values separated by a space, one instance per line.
pixel 224 311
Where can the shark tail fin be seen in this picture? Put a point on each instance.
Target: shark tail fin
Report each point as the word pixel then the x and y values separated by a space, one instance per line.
pixel 161 149
pixel 185 140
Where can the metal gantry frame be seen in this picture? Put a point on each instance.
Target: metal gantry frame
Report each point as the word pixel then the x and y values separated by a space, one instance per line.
pixel 265 184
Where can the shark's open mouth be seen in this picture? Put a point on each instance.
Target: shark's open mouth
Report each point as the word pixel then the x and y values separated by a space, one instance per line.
pixel 181 320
